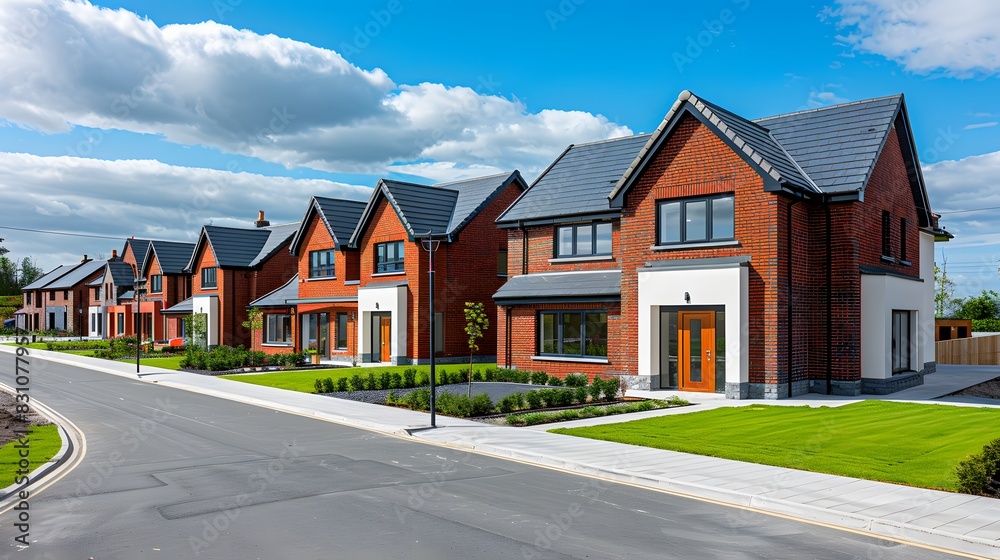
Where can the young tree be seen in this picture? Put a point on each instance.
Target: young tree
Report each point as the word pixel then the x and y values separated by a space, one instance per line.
pixel 943 291
pixel 254 322
pixel 985 306
pixel 476 323
pixel 196 326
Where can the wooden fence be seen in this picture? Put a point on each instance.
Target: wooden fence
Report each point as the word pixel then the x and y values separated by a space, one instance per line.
pixel 975 351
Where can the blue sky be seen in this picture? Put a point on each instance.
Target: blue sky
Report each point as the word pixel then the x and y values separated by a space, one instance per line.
pixel 125 114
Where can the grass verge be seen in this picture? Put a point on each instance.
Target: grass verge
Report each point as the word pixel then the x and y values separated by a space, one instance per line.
pixel 303 380
pixel 535 418
pixel 904 443
pixel 44 443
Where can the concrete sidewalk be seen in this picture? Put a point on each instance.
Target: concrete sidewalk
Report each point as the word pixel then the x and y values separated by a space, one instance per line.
pixel 957 522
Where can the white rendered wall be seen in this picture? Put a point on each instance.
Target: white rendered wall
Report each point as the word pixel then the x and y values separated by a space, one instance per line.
pixel 392 300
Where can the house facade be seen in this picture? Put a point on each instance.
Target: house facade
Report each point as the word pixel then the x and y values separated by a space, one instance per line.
pixel 59 300
pixel 762 259
pixel 167 284
pixel 231 267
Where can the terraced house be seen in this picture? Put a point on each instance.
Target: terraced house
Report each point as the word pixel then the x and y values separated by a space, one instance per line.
pixel 760 258
pixel 59 300
pixel 362 288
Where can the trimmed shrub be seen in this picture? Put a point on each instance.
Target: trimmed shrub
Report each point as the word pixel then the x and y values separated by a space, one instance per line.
pixel 575 380
pixel 328 386
pixel 595 389
pixel 396 381
pixel 580 394
pixel 371 382
pixel 318 385
pixel 510 403
pixel 534 399
pixel 481 405
pixel 422 379
pixel 356 383
pixel 417 400
pixel 555 381
pixel 342 385
pixel 385 380
pixel 980 473
pixel 477 375
pixel 451 404
pixel 409 378
pixel 539 378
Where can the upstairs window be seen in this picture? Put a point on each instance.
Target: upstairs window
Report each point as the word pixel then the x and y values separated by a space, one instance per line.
pixel 886 234
pixel 97 292
pixel 208 277
pixel 584 240
pixel 696 220
pixel 389 257
pixel 52 296
pixel 27 299
pixel 321 264
pixel 502 262
pixel 902 239
pixel 156 284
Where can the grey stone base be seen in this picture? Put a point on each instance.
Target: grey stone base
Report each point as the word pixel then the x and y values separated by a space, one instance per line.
pixel 929 367
pixel 841 388
pixel 892 384
pixel 737 390
pixel 642 382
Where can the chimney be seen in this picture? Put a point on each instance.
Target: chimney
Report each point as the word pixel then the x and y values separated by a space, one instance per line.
pixel 114 254
pixel 261 222
pixel 85 259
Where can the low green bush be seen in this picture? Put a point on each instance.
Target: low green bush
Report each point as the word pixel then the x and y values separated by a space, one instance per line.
pixel 986 325
pixel 450 404
pixel 356 383
pixel 342 385
pixel 580 394
pixel 371 382
pixel 980 473
pixel 534 399
pixel 555 381
pixel 481 405
pixel 510 403
pixel 576 380
pixel 62 346
pixel 385 380
pixel 533 418
pixel 328 386
pixel 318 386
pixel 409 377
pixel 539 378
pixel 395 381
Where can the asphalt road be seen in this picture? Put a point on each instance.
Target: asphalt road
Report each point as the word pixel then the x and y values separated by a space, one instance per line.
pixel 172 474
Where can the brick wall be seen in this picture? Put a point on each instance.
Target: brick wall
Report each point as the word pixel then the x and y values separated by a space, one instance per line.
pixel 695 162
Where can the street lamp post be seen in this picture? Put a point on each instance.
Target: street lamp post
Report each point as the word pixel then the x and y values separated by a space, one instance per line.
pixel 431 245
pixel 139 288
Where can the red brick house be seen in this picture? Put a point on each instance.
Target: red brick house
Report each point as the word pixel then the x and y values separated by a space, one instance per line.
pixel 392 288
pixel 111 313
pixel 762 259
pixel 59 300
pixel 231 267
pixel 167 284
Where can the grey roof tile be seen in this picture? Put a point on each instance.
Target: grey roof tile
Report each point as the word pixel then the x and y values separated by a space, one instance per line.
pixel 561 285
pixel 139 248
pixel 340 217
pixel 578 182
pixel 244 247
pixel 48 278
pixel 443 208
pixel 279 297
pixel 122 273
pixel 280 235
pixel 172 256
pixel 185 307
pixel 79 273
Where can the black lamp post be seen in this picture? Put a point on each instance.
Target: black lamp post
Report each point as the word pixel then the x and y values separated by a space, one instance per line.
pixel 139 288
pixel 430 244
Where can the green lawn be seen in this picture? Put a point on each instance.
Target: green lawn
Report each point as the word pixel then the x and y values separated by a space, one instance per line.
pixel 44 443
pixel 167 362
pixel 913 444
pixel 303 381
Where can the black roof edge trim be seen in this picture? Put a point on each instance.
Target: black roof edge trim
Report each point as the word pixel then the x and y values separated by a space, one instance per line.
pixel 709 262
pixel 556 300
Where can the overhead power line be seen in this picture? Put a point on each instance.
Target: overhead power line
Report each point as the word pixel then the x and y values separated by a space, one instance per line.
pixel 69 233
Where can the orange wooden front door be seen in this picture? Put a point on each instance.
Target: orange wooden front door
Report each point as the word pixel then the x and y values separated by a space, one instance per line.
pixel 385 332
pixel 696 352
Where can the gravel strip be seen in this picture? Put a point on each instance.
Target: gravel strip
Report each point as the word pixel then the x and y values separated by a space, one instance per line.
pixel 986 390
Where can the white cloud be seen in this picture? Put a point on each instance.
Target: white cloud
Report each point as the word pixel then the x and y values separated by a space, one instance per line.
pixel 958 189
pixel 979 125
pixel 67 62
pixel 137 197
pixel 959 38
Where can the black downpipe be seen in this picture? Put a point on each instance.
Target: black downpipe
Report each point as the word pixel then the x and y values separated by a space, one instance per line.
pixel 524 248
pixel 791 289
pixel 829 302
pixel 508 354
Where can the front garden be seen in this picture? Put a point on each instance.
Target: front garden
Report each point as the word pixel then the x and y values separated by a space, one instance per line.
pixel 903 443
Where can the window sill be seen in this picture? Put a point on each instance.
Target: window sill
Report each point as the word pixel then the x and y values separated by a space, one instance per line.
pixel 277 344
pixel 703 245
pixel 501 276
pixel 568 260
pixel 203 288
pixel 352 282
pixel 381 274
pixel 906 263
pixel 570 359
pixel 319 278
pixel 888 259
